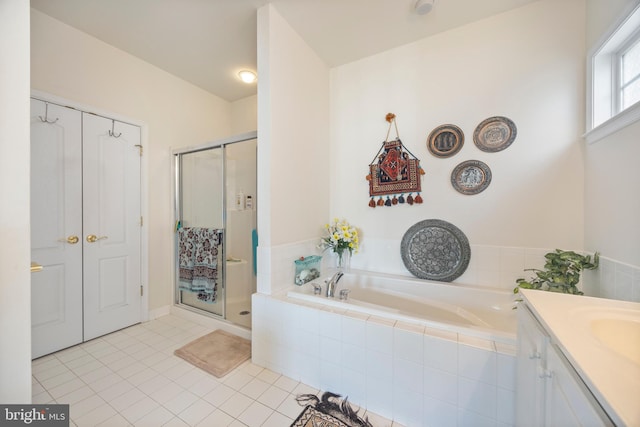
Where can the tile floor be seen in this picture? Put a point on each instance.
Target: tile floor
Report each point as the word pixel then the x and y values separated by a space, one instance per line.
pixel 132 378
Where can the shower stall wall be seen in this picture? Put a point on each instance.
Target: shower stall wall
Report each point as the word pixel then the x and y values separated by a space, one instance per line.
pixel 215 188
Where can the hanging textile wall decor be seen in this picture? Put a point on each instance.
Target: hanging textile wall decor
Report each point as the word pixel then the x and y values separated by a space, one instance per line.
pixel 394 172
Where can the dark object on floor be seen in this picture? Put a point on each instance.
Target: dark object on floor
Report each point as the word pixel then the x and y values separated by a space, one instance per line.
pixel 329 404
pixel 311 417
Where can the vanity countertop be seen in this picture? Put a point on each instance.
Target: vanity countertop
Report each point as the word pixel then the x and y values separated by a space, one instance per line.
pixel 601 339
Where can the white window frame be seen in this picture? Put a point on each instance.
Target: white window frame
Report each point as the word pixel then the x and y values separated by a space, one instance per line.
pixel 630 43
pixel 604 114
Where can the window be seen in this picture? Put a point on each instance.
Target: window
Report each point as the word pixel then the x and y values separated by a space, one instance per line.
pixel 614 80
pixel 630 72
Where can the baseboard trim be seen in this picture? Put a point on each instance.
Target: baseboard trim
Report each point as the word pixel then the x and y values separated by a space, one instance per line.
pixel 159 312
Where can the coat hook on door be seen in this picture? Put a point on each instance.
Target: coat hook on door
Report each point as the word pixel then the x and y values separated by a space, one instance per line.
pixel 111 132
pixel 45 119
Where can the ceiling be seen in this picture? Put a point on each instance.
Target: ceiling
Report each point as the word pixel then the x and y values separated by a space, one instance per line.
pixel 206 42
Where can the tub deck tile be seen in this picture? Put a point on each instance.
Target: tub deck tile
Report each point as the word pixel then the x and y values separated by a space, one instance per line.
pixel 477 342
pixel 381 321
pixel 410 327
pixel 508 349
pixel 357 315
pixel 441 333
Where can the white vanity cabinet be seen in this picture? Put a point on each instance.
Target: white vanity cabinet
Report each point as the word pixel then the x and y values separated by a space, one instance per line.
pixel 549 391
pixel 532 344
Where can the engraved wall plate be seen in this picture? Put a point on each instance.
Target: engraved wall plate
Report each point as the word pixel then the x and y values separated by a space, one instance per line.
pixel 471 177
pixel 436 250
pixel 495 134
pixel 445 140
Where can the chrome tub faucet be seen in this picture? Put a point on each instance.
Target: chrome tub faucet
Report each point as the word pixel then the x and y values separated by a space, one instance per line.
pixel 331 284
pixel 317 289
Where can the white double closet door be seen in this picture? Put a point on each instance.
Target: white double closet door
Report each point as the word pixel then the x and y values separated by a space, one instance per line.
pixel 85 226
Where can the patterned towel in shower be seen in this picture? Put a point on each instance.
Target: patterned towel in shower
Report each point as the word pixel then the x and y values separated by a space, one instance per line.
pixel 198 261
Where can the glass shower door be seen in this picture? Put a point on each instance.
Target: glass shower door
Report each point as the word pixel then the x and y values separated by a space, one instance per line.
pixel 241 186
pixel 201 204
pixel 216 187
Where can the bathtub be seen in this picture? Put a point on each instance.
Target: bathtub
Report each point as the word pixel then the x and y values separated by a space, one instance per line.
pixel 421 353
pixel 471 311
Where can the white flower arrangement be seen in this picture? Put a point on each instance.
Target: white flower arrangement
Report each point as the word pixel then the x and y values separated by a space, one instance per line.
pixel 341 236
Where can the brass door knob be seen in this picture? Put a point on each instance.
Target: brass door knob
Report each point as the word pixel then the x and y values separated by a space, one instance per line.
pixel 72 240
pixel 35 267
pixel 92 238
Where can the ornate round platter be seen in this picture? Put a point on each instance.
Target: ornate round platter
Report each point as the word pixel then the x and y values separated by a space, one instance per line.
pixel 495 134
pixel 471 177
pixel 445 140
pixel 436 250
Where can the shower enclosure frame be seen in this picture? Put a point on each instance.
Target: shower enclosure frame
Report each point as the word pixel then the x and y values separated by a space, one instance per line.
pixel 177 156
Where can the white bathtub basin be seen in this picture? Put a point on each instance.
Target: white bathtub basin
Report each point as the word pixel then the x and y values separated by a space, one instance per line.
pixel 484 313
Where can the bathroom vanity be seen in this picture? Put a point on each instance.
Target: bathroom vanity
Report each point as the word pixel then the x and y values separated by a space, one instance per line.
pixel 578 361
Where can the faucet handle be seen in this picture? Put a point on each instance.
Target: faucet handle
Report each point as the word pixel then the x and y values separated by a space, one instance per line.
pixel 344 294
pixel 317 289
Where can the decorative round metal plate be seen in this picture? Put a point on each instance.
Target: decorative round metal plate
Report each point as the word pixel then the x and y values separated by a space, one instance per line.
pixel 445 140
pixel 471 177
pixel 495 134
pixel 436 250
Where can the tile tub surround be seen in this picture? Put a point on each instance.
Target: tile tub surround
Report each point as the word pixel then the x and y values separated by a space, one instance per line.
pixel 489 266
pixel 613 280
pixel 402 371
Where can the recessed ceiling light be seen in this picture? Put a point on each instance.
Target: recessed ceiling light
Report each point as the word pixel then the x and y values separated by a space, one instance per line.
pixel 423 7
pixel 247 76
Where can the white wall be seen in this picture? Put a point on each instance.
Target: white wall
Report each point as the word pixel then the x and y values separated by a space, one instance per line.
pixel 612 205
pixel 244 115
pixel 293 148
pixel 601 15
pixel 526 64
pixel 73 65
pixel 15 245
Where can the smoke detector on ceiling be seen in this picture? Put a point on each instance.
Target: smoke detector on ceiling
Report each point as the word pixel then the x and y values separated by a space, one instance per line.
pixel 423 7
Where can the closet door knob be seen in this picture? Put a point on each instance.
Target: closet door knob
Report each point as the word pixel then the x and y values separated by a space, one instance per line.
pixel 35 267
pixel 92 238
pixel 72 240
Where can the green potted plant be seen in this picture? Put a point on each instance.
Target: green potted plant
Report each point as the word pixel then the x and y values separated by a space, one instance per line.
pixel 561 272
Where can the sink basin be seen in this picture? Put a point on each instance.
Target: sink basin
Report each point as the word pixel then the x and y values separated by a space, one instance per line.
pixel 619 335
pixel 601 339
pixel 616 329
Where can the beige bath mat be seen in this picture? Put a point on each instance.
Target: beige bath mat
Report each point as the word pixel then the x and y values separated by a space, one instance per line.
pixel 217 353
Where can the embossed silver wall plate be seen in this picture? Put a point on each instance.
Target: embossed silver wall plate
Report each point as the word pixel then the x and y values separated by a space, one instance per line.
pixel 495 134
pixel 471 177
pixel 436 250
pixel 445 140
